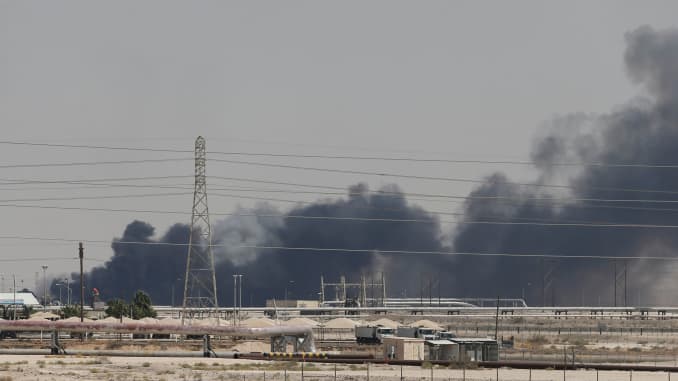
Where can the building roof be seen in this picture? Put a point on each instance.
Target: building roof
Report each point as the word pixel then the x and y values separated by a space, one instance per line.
pixel 440 342
pixel 22 298
pixel 462 340
pixel 398 338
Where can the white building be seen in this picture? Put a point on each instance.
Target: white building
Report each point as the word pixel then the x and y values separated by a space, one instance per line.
pixel 22 299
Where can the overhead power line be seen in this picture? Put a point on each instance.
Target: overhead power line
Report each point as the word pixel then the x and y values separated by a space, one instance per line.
pixel 410 195
pixel 382 174
pixel 91 163
pixel 88 146
pixel 443 160
pixel 518 200
pixel 489 221
pixel 357 251
pixel 343 192
pixel 349 157
pixel 29 259
pixel 76 198
pixel 421 177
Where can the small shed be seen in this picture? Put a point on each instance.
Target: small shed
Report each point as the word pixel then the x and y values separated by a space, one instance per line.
pixel 442 350
pixel 477 349
pixel 403 348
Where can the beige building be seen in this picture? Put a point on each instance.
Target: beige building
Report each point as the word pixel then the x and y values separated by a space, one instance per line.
pixel 292 303
pixel 403 348
pixel 442 350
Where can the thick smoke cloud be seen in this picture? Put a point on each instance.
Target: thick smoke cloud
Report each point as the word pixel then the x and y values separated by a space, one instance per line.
pixel 267 272
pixel 149 267
pixel 643 131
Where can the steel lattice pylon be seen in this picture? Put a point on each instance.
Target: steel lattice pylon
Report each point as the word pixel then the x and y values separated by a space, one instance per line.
pixel 200 286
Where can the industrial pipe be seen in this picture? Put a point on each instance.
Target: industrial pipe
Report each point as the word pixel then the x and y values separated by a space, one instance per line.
pixel 141 328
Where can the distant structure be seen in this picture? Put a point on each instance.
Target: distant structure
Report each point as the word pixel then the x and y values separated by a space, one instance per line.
pixel 200 285
pixel 371 293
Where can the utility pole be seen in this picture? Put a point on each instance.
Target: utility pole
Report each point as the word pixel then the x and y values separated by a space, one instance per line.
pixel 239 294
pixel 547 281
pixel 81 254
pixel 543 284
pixel 439 281
pixel 625 270
pixel 68 290
pixel 615 283
pixel 14 301
pixel 60 285
pixel 200 284
pixel 44 287
pixel 496 321
pixel 383 289
pixel 235 298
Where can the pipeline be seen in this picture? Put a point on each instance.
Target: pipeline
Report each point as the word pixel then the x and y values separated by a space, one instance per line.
pixel 279 334
pixel 141 328
pixel 311 355
pixel 77 352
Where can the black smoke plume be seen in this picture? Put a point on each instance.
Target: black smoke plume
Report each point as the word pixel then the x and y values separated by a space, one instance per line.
pixel 159 269
pixel 645 130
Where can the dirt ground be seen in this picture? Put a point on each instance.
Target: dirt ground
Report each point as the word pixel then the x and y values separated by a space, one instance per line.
pixel 60 368
pixel 535 339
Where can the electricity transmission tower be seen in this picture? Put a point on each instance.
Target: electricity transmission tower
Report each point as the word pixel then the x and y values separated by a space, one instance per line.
pixel 200 286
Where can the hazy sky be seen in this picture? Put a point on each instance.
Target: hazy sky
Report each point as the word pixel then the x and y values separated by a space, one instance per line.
pixel 453 79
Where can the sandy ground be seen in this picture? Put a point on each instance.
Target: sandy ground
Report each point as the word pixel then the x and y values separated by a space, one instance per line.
pixel 59 368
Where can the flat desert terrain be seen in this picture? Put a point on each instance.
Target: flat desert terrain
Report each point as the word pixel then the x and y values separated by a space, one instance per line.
pixel 61 368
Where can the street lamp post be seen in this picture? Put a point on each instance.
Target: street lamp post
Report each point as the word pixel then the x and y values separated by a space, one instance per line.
pixel 289 282
pixel 173 284
pixel 60 285
pixel 68 290
pixel 523 294
pixel 44 287
pixel 239 293
pixel 14 301
pixel 235 296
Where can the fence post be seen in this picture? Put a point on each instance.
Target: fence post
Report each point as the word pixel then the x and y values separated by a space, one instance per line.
pixel 335 371
pixel 401 374
pixel 285 376
pixel 530 374
pixel 463 373
pixel 431 372
pixel 368 371
pixel 302 370
pixel 497 373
